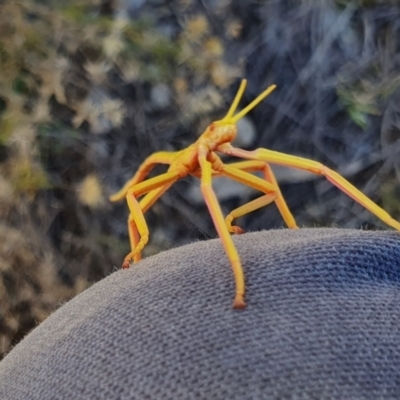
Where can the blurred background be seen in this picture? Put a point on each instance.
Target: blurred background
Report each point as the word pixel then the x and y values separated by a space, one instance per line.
pixel 89 88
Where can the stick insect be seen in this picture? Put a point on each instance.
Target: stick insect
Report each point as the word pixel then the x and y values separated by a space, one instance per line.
pixel 201 159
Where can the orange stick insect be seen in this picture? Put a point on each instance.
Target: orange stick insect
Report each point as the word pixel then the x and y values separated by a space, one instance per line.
pixel 200 159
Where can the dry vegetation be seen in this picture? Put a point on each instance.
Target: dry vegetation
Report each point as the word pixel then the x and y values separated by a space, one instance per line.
pixel 90 88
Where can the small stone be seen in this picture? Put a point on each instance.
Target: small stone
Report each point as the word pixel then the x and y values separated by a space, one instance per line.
pixel 160 96
pixel 224 190
pixel 246 133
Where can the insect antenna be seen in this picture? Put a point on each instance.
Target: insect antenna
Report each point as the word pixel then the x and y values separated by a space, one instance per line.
pixel 236 100
pixel 254 103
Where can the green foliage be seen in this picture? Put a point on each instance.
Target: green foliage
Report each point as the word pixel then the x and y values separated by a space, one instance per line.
pixel 28 178
pixel 362 98
pixel 359 105
pixel 7 126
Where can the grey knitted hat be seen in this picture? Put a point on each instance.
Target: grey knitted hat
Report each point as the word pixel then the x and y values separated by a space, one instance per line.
pixel 322 322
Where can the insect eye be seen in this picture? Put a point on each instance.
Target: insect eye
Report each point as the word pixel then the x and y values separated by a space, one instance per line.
pixel 212 127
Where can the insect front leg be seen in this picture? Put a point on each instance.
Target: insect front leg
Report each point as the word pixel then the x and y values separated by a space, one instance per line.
pixel 161 157
pixel 134 239
pixel 145 204
pixel 138 230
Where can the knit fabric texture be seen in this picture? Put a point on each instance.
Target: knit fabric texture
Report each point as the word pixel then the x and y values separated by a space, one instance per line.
pixel 322 322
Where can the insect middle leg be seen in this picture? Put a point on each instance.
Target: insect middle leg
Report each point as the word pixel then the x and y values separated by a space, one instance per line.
pixel 269 197
pixel 238 172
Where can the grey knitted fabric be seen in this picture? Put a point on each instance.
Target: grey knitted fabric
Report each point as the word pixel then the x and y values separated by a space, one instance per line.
pixel 322 322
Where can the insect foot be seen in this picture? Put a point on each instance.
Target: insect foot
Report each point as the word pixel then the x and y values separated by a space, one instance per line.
pixel 239 303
